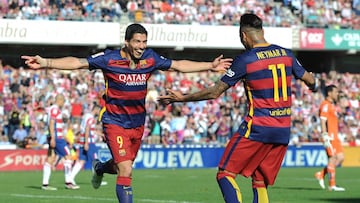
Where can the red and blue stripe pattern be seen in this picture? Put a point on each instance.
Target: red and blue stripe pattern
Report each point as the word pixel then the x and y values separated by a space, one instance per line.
pixel 266 72
pixel 126 87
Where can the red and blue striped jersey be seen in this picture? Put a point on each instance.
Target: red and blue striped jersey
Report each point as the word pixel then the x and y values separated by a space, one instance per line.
pixel 126 87
pixel 266 72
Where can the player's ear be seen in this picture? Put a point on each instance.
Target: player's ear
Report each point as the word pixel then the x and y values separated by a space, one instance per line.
pixel 242 36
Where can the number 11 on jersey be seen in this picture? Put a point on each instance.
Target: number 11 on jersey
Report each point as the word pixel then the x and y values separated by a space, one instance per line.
pixel 273 68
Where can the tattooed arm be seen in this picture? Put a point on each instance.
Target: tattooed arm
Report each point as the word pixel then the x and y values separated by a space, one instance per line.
pixel 209 93
pixel 65 63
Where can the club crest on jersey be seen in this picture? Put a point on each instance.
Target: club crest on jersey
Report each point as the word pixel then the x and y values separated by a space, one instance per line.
pixel 143 64
pixel 122 152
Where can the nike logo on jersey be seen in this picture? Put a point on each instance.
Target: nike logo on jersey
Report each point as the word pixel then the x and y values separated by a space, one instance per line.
pixel 230 73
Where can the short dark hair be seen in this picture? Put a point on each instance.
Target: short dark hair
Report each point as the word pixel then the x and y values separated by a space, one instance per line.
pixel 133 29
pixel 249 20
pixel 329 89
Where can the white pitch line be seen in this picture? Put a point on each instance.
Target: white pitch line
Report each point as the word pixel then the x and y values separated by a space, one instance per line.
pixel 61 197
pixel 314 179
pixel 164 201
pixel 94 198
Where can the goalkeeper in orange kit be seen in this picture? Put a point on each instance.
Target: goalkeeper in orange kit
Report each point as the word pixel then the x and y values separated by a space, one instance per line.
pixel 331 141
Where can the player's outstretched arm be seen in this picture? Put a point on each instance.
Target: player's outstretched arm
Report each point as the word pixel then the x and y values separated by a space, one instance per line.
pixel 209 93
pixel 65 63
pixel 218 64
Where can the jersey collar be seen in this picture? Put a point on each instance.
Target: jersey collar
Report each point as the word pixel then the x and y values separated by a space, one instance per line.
pixel 261 45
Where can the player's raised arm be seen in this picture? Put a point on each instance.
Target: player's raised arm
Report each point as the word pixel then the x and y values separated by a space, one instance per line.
pixel 218 64
pixel 65 63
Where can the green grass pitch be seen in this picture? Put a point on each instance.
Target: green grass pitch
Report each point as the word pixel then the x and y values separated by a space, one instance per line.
pixel 293 185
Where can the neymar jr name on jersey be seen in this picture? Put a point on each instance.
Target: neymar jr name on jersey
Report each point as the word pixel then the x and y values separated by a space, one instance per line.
pixel 270 53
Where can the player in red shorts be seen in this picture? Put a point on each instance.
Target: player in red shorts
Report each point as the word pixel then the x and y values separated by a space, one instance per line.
pixel 258 147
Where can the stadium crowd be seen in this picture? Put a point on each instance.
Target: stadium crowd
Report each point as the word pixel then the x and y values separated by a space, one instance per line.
pixel 25 95
pixel 334 14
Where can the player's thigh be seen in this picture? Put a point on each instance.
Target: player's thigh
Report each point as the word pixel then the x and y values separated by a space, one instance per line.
pixel 242 156
pixel 83 154
pixel 136 140
pixel 62 148
pixel 91 153
pixel 271 164
pixel 334 149
pixel 123 143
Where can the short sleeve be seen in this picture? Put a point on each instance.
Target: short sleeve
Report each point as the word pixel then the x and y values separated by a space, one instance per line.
pixel 161 62
pixel 324 111
pixel 298 70
pixel 54 112
pixel 236 71
pixel 97 61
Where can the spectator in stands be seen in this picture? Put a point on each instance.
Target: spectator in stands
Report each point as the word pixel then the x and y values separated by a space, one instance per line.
pixel 14 122
pixel 76 108
pixel 25 119
pixel 19 136
pixel 165 126
pixel 42 134
pixel 31 141
pixel 223 132
pixel 201 124
pixel 155 128
pixel 115 10
pixel 132 7
pixel 212 128
pixel 297 133
pixel 3 137
pixel 324 14
pixel 168 138
pixel 189 132
pixel 178 123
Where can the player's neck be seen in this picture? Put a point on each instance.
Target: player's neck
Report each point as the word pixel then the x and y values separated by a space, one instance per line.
pixel 126 54
pixel 330 100
pixel 258 41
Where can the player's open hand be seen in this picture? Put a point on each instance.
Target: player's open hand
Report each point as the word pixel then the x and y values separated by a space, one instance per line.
pixel 35 62
pixel 221 64
pixel 171 97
